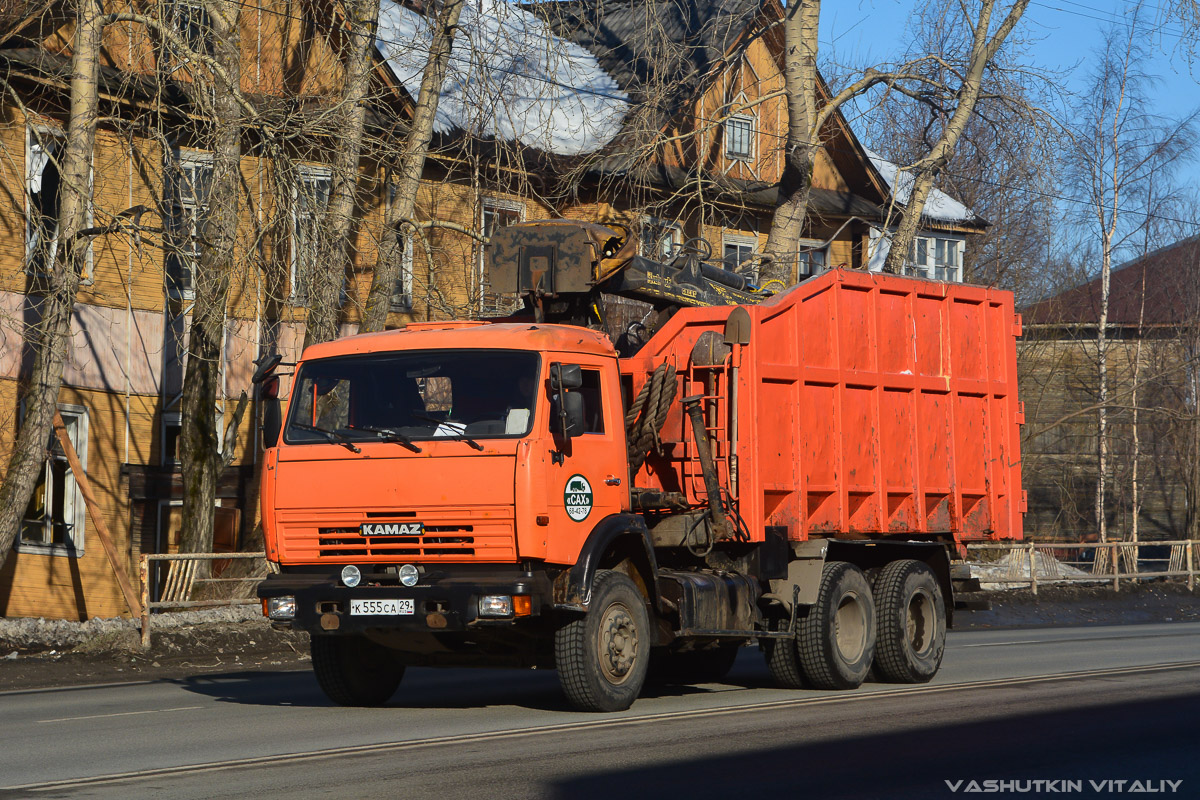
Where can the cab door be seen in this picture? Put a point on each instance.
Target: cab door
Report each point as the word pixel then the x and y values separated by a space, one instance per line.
pixel 587 474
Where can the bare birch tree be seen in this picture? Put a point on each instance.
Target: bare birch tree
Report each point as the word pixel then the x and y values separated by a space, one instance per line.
pixel 56 300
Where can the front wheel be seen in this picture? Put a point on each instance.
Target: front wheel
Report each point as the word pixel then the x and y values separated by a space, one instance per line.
pixel 602 657
pixel 354 671
pixel 912 623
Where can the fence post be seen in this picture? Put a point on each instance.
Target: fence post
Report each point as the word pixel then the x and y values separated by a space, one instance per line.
pixel 1114 555
pixel 1032 570
pixel 144 571
pixel 1190 566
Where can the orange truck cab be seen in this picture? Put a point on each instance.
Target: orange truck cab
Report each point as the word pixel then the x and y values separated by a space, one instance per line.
pixel 800 474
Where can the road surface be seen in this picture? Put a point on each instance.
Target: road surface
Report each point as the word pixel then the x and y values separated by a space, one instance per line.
pixel 1076 706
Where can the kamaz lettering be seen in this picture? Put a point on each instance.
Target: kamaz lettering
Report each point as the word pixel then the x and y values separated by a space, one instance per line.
pixel 392 529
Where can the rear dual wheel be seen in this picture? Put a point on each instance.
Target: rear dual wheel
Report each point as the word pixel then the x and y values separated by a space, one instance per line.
pixel 834 642
pixel 912 623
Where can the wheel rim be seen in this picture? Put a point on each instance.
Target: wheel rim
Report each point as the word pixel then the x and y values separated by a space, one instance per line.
pixel 920 623
pixel 850 628
pixel 618 644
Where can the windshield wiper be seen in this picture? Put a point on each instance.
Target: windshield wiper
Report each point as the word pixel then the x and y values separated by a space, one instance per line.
pixel 389 435
pixel 461 435
pixel 332 436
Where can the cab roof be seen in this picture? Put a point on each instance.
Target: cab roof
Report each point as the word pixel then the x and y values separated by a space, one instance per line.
pixel 460 335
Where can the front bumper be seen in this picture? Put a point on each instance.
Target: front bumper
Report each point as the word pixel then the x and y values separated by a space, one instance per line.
pixel 443 600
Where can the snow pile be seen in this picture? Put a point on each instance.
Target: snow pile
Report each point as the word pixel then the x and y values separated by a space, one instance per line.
pixel 1013 570
pixel 38 632
pixel 509 77
pixel 938 205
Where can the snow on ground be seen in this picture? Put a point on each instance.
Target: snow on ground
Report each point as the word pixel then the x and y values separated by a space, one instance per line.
pixel 508 77
pixel 938 205
pixel 23 631
pixel 1013 570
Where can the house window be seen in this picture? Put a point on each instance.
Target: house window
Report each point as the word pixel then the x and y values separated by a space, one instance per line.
pixel 310 200
pixel 739 137
pixel 172 426
pixel 812 258
pixel 739 250
pixel 190 179
pixel 402 290
pixel 191 21
pixel 53 522
pixel 660 239
pixel 937 258
pixel 43 152
pixel 496 214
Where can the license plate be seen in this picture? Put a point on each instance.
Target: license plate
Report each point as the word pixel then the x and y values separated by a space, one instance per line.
pixel 397 607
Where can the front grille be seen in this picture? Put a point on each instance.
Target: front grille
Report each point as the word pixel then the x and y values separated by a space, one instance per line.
pixel 438 540
pixel 478 534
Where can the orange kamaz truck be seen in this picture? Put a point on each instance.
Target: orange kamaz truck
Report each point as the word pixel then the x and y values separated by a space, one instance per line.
pixel 797 471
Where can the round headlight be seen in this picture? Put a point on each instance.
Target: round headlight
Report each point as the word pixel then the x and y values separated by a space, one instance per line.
pixel 409 575
pixel 351 575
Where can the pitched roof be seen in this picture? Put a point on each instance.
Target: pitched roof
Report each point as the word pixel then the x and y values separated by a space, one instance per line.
pixel 1164 285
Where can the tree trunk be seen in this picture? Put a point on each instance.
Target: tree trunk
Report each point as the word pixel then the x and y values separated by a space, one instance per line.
pixel 409 169
pixel 800 81
pixel 336 244
pixel 199 437
pixel 49 337
pixel 983 50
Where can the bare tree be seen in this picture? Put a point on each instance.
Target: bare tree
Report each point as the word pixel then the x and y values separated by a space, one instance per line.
pixel 56 300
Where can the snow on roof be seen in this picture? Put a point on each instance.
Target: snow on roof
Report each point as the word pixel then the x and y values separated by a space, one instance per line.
pixel 939 205
pixel 509 77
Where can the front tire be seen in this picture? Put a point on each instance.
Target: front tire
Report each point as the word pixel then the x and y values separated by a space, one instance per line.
pixel 912 623
pixel 836 640
pixel 354 671
pixel 603 656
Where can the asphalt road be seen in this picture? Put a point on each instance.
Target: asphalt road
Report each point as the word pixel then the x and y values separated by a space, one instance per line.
pixel 1054 704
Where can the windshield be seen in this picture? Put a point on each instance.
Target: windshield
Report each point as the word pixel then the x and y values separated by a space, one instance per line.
pixel 414 395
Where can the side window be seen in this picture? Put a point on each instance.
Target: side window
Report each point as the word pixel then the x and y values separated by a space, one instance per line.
pixel 54 519
pixel 593 407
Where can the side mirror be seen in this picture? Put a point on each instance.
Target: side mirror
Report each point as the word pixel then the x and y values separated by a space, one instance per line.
pixel 565 376
pixel 566 407
pixel 272 424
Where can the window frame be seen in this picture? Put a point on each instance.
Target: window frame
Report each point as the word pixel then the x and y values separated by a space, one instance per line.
pixel 314 174
pixel 196 29
pixel 738 240
pixel 486 205
pixel 935 266
pixel 185 210
pixel 76 534
pixel 661 226
pixel 751 136
pixel 35 133
pixel 807 247
pixel 401 299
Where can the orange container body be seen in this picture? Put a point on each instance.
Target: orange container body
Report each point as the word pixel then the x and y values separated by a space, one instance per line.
pixel 862 406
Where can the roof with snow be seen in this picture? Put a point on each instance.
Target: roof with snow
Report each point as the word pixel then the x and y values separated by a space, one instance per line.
pixel 509 77
pixel 939 206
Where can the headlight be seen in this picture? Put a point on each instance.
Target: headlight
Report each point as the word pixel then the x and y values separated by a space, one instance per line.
pixel 281 608
pixel 495 605
pixel 351 575
pixel 409 575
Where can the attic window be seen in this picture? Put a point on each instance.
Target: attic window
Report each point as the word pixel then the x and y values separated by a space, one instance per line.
pixel 739 137
pixel 191 21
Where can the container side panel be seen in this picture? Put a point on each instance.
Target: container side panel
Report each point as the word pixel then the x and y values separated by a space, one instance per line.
pixel 856 334
pixel 897 427
pixel 1002 486
pixel 930 334
pixel 1000 341
pixel 934 459
pixel 970 453
pixel 777 456
pixel 820 433
pixel 896 334
pixel 860 458
pixel 815 329
pixel 968 357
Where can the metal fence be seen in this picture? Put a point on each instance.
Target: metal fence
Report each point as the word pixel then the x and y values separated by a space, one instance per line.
pixel 1034 563
pixel 173 587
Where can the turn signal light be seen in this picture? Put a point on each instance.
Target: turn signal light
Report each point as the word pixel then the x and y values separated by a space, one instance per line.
pixel 522 605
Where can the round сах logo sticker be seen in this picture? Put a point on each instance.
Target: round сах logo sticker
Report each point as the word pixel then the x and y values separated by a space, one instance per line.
pixel 577 498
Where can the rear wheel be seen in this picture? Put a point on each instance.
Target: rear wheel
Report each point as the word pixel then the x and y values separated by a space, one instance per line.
pixel 354 671
pixel 912 623
pixel 836 640
pixel 603 656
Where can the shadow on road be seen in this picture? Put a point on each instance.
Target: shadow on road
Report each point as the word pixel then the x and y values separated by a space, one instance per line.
pixel 1149 741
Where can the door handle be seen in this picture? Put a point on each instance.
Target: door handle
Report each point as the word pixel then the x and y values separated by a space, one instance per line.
pixel 612 480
